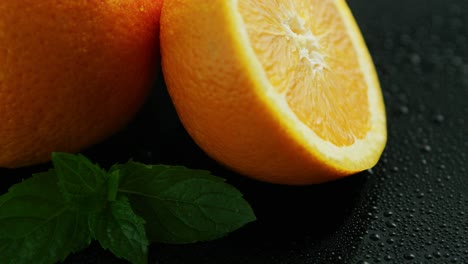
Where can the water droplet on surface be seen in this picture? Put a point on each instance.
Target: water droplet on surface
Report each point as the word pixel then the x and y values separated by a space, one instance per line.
pixel 388 214
pixel 374 237
pixel 409 256
pixel 415 59
pixel 403 109
pixel 426 148
pixel 363 262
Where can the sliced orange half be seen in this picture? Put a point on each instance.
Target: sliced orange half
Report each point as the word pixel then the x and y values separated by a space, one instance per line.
pixel 283 91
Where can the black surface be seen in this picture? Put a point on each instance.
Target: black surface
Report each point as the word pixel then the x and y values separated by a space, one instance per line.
pixel 411 208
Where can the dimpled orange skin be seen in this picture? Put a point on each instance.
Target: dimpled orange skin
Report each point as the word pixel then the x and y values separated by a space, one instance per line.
pixel 71 72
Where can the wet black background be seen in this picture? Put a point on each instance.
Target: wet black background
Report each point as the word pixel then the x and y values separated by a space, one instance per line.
pixel 411 208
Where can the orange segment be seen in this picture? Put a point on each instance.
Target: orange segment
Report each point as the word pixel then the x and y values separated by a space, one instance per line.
pixel 307 56
pixel 280 91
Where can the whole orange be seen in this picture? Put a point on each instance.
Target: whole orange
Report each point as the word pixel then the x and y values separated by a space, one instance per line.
pixel 71 72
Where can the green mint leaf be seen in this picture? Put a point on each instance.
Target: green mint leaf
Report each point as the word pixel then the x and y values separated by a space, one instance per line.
pixel 121 231
pixel 182 205
pixel 37 225
pixel 82 183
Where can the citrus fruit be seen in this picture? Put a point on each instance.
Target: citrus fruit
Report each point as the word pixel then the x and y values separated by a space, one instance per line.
pixel 281 91
pixel 71 72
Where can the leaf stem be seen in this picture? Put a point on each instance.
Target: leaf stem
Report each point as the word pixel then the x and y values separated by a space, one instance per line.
pixel 113 185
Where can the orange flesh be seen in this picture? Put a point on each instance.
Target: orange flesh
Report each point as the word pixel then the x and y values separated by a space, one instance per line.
pixel 308 58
